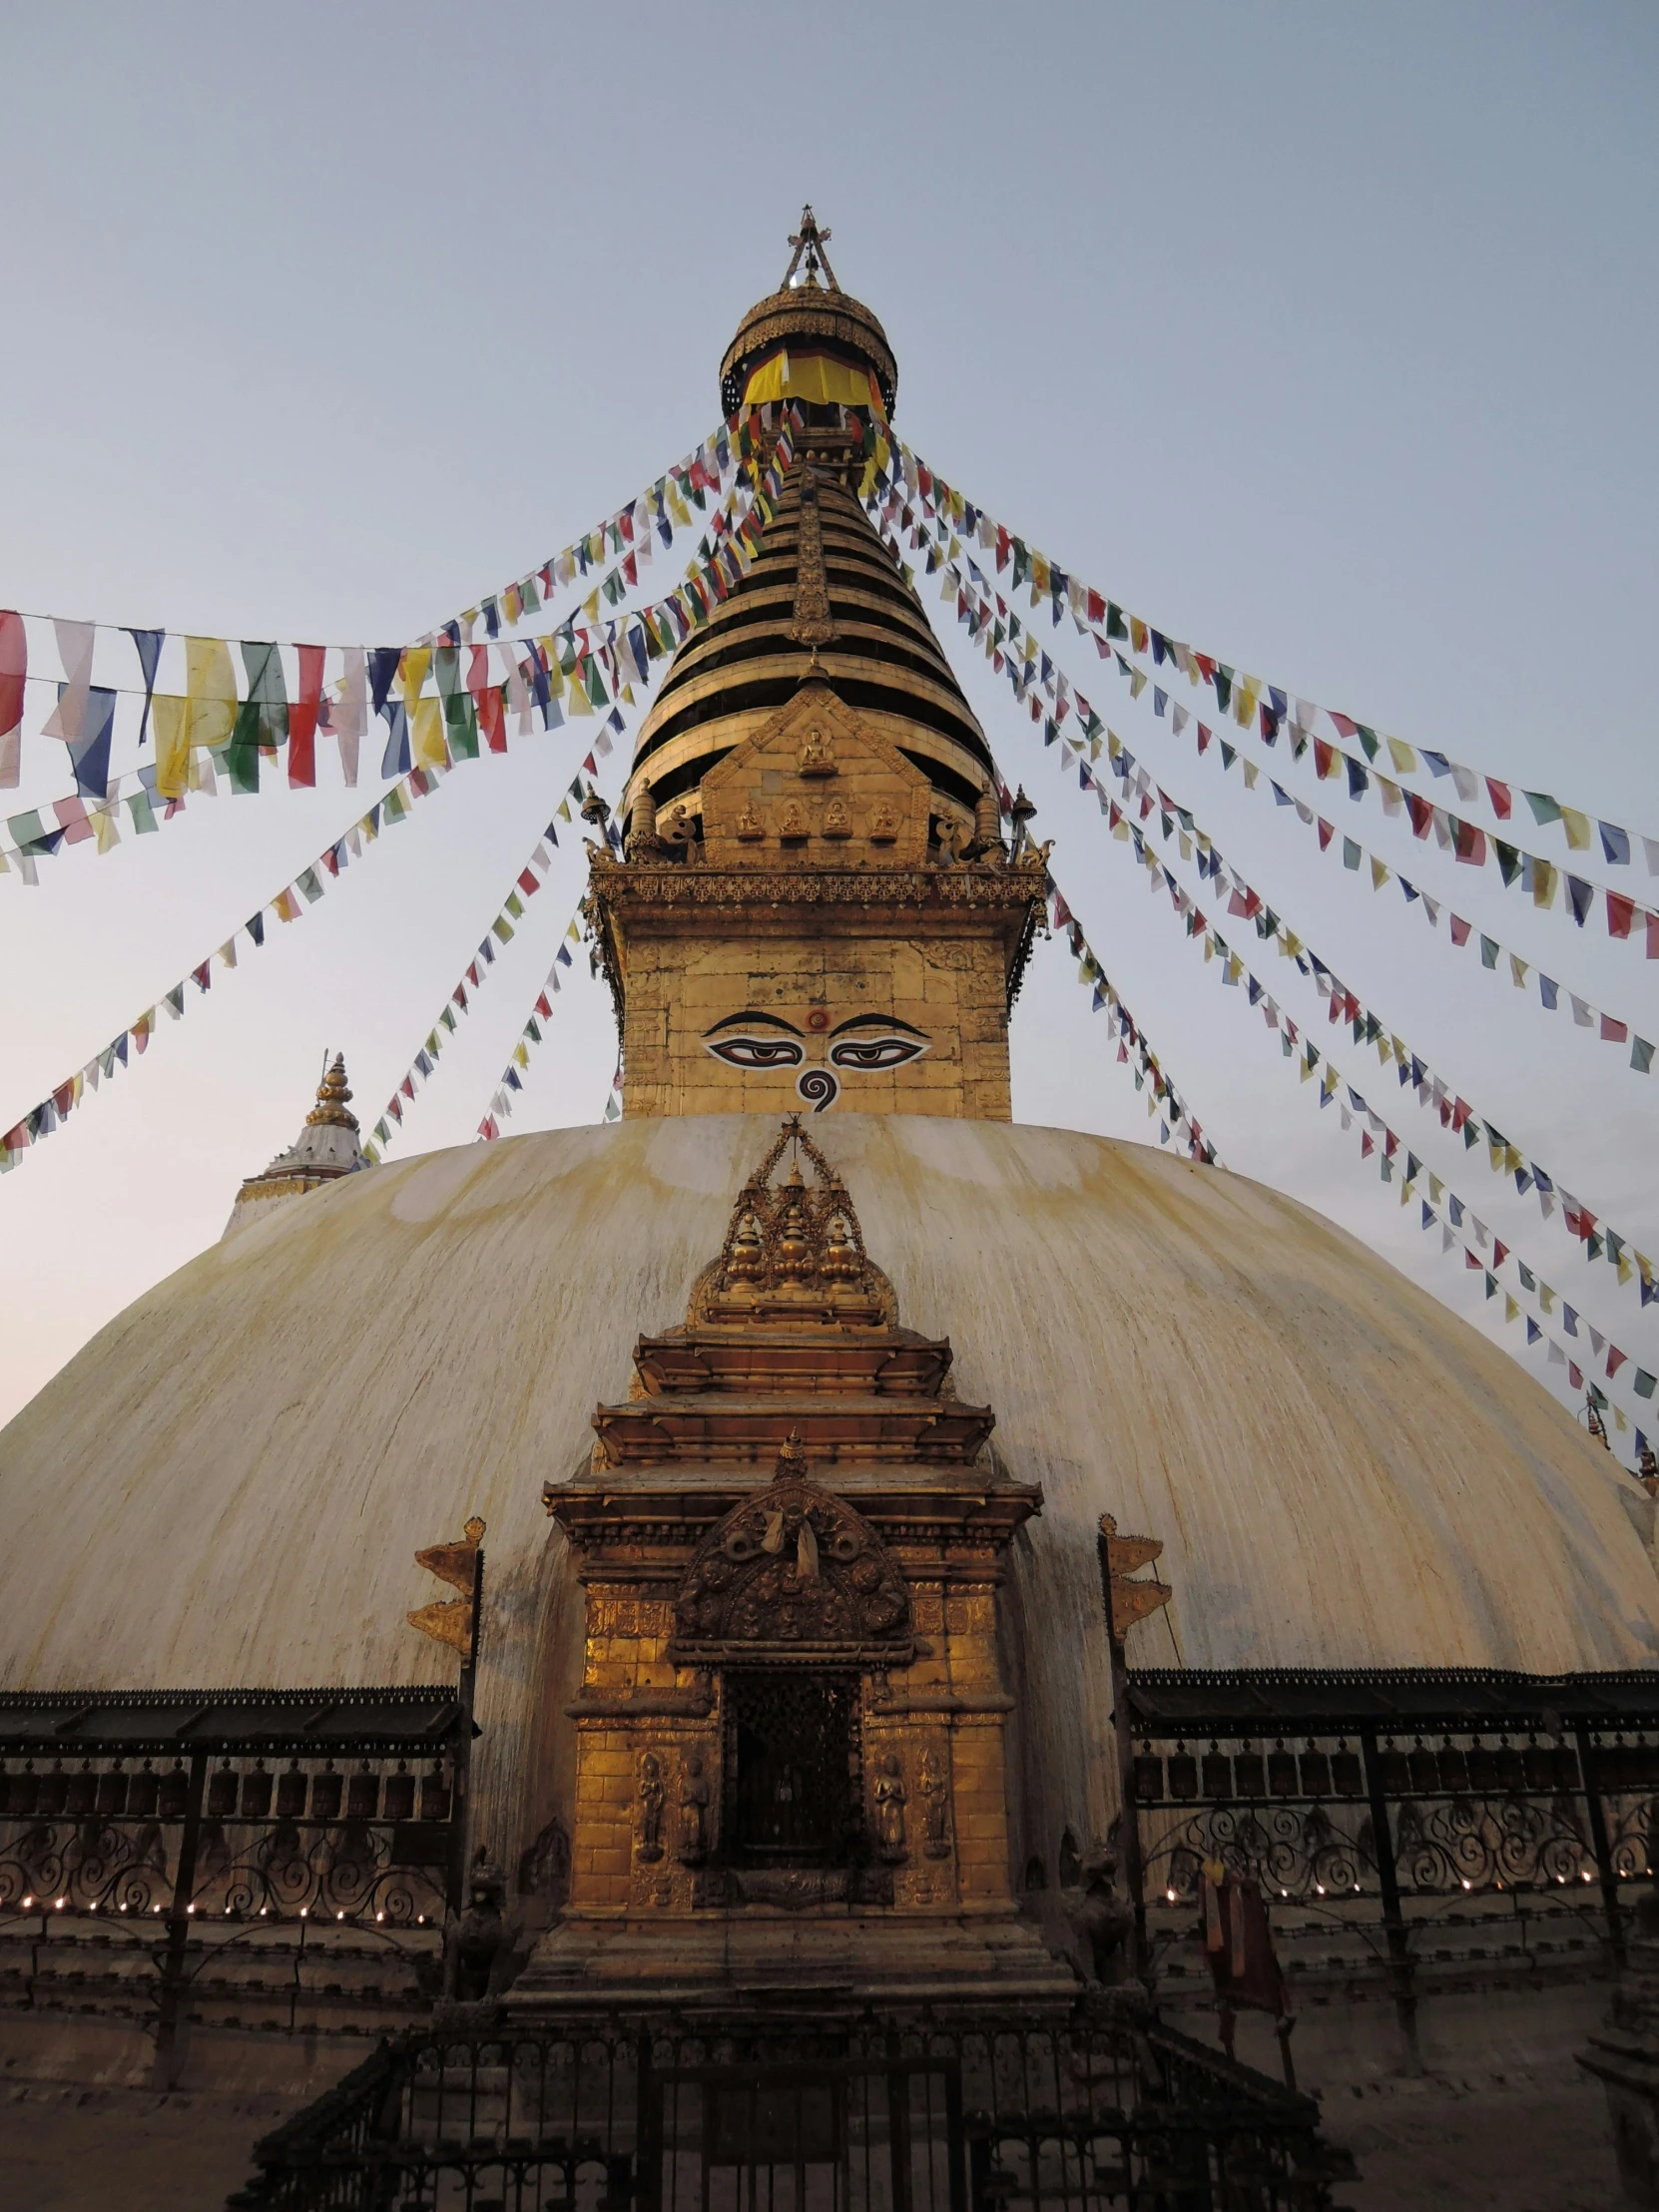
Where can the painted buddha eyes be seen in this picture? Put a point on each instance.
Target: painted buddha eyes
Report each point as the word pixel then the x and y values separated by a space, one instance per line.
pixel 873 1054
pixel 756 1052
pixel 868 1044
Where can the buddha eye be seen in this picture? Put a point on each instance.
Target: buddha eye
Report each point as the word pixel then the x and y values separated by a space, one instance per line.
pixel 758 1053
pixel 873 1054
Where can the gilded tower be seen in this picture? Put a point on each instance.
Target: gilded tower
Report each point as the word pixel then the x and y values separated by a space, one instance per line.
pixel 815 901
pixel 791 1536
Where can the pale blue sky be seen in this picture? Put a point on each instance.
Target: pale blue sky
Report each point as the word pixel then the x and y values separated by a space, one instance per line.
pixel 1321 335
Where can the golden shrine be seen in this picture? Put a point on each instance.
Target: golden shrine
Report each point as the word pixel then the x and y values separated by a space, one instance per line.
pixel 790 1730
pixel 816 897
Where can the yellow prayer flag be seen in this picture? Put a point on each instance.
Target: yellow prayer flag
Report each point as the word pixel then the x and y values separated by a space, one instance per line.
pixel 590 606
pixel 1577 827
pixel 1249 768
pixel 1511 1312
pixel 1401 755
pixel 521 1053
pixel 416 660
pixel 1547 1298
pixel 166 716
pixel 210 694
pixel 1380 875
pixel 1401 1053
pixel 427 728
pixel 105 826
pixel 1518 969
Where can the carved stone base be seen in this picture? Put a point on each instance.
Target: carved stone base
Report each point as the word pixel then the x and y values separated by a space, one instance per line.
pixel 833 1957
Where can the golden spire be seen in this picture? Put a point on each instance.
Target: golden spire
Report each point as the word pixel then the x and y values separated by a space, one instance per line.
pixel 331 1110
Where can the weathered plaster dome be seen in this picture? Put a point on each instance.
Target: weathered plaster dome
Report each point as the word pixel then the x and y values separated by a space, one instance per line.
pixel 228 1484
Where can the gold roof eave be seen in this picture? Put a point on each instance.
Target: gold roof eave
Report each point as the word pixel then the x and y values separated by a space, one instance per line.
pixel 803 313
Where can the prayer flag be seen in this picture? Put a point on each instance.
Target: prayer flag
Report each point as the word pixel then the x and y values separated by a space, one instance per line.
pixel 303 719
pixel 76 644
pixel 149 647
pixel 14 670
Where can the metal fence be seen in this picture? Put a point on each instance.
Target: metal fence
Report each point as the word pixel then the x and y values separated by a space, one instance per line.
pixel 190 1814
pixel 987 2117
pixel 1386 1797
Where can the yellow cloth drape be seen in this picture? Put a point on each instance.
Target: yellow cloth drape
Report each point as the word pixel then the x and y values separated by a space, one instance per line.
pixel 815 378
pixel 427 723
pixel 167 719
pixel 209 692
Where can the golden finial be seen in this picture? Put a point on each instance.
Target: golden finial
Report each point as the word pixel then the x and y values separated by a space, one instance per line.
pixel 792 1460
pixel 331 1110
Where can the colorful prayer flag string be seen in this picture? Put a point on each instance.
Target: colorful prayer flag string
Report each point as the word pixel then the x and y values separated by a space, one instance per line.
pixel 1249 698
pixel 1232 971
pixel 1044 676
pixel 295 900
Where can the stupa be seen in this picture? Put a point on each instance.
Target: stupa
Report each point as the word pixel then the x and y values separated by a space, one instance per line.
pixel 326 1149
pixel 805 1648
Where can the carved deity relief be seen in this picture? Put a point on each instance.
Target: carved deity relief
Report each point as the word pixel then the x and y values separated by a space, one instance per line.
pixel 649 1806
pixel 750 825
pixel 791 820
pixel 818 754
pixel 884 822
pixel 935 1792
pixel 891 1800
pixel 694 1812
pixel 837 821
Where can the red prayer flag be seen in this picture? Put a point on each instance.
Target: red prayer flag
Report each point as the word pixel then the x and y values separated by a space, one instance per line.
pixel 1613 1033
pixel 1324 754
pixel 1459 930
pixel 528 884
pixel 1349 729
pixel 1621 912
pixel 1615 1361
pixel 13 670
pixel 1500 797
pixel 543 1009
pixel 1422 815
pixel 303 719
pixel 1327 832
pixel 1469 841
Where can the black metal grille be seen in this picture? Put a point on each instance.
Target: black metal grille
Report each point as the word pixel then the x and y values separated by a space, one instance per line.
pixel 987 2116
pixel 208 1816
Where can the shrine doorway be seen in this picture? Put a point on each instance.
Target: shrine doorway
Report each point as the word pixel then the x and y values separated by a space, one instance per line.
pixel 791 1767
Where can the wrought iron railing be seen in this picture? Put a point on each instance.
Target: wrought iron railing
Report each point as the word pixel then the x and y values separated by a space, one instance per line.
pixel 995 2115
pixel 227 1811
pixel 1386 1797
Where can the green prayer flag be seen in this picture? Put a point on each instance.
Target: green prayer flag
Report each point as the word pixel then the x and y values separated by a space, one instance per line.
pixel 1545 809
